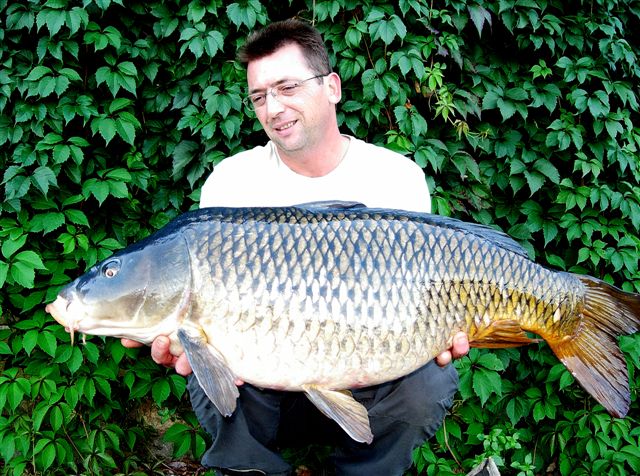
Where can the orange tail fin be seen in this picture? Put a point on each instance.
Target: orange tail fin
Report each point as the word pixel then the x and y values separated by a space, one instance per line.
pixel 592 354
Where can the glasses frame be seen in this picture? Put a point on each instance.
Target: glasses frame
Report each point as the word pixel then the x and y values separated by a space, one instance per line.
pixel 276 91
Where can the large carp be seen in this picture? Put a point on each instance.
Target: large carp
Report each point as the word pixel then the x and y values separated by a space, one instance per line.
pixel 321 300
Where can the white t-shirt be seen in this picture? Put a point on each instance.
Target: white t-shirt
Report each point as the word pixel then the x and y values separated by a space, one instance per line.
pixel 369 174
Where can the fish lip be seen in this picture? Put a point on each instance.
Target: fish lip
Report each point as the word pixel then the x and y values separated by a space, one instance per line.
pixel 59 310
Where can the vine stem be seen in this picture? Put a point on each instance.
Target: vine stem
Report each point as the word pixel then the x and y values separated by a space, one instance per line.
pixel 446 442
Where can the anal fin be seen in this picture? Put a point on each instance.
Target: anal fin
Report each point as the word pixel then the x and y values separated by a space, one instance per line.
pixel 343 409
pixel 500 334
pixel 211 370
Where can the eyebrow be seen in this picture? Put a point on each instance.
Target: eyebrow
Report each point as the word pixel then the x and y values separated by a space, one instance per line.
pixel 277 83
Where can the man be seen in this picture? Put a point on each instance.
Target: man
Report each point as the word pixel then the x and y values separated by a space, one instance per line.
pixel 294 94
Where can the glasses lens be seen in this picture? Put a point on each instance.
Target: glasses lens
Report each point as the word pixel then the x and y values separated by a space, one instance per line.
pixel 248 103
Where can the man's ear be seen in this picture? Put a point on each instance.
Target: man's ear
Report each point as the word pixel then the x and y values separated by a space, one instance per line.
pixel 334 85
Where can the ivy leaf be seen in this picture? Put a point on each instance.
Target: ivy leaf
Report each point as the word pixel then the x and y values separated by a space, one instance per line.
pixel 47 342
pixel 98 188
pixel 599 104
pixel 479 15
pixel 176 432
pixel 54 20
pixel 517 409
pixel 128 68
pixel 125 130
pixel 490 361
pixel 485 383
pixel 38 73
pixel 46 86
pixel 22 274
pixel 546 168
pixel 241 15
pixel 30 258
pixel 74 363
pixel 613 128
pixel 230 126
pixel 4 270
pixel 507 146
pixel 55 417
pixel 418 123
pixel 43 177
pixel 77 217
pixel 106 127
pixel 61 85
pixel 214 42
pixel 120 174
pixel 11 245
pixel 160 391
pixel 507 108
pixel 30 340
pixel 118 189
pixel 183 154
pixel 61 152
pixel 178 384
pixel 75 18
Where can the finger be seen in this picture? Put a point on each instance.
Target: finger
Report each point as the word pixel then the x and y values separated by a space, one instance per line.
pixel 160 351
pixel 182 365
pixel 444 358
pixel 131 344
pixel 460 346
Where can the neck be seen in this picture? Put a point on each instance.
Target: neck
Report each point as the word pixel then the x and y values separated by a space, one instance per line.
pixel 317 161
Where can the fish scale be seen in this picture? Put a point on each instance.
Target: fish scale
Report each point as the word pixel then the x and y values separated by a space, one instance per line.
pixel 387 304
pixel 325 298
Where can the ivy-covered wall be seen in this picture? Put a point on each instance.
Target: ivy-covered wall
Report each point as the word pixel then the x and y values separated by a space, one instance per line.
pixel 523 114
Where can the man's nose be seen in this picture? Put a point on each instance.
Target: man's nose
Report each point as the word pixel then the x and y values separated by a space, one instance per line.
pixel 273 104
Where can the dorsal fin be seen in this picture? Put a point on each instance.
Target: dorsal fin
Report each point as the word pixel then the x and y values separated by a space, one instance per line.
pixel 498 237
pixel 328 204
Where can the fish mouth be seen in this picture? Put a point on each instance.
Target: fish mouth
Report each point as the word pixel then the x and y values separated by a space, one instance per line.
pixel 59 310
pixel 73 316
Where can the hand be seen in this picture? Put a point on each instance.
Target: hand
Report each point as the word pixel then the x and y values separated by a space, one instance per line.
pixel 459 348
pixel 161 355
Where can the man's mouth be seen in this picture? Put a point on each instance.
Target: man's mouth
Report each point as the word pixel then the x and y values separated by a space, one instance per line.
pixel 286 126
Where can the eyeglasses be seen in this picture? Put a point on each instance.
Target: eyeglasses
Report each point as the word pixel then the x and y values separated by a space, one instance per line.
pixel 282 90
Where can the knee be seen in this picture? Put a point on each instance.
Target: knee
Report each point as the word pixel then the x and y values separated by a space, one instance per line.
pixel 432 397
pixel 420 399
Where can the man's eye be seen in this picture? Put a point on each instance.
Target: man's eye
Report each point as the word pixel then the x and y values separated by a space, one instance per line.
pixel 258 98
pixel 288 89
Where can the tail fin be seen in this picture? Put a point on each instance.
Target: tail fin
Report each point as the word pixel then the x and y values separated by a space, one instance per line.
pixel 592 354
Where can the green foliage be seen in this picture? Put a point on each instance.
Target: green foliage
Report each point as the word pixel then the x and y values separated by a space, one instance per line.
pixel 523 114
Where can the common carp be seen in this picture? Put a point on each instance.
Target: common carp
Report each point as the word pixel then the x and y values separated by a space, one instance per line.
pixel 322 299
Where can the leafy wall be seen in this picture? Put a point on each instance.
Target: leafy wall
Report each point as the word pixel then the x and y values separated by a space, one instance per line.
pixel 523 114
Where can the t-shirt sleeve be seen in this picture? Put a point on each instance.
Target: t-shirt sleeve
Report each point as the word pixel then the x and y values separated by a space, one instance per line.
pixel 228 183
pixel 214 190
pixel 399 182
pixel 415 192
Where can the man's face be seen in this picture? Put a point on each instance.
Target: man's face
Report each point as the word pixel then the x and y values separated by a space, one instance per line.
pixel 299 121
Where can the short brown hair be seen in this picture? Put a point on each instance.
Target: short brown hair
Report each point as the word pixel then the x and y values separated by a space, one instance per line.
pixel 274 36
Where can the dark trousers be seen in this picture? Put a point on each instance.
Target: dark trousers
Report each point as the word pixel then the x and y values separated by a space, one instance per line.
pixel 403 414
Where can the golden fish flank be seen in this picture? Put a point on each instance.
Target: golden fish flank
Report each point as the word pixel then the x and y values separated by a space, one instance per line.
pixel 320 300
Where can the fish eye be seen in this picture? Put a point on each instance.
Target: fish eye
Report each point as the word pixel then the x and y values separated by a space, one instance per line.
pixel 110 268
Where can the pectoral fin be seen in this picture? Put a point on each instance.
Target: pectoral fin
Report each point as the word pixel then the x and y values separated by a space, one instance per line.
pixel 211 370
pixel 343 409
